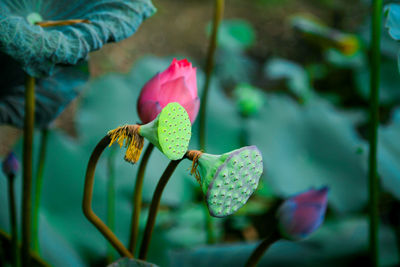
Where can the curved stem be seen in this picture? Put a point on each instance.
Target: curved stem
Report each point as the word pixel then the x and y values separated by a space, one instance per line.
pixel 261 248
pixel 27 169
pixel 88 195
pixel 373 138
pixel 137 199
pixel 13 221
pixel 219 11
pixel 111 197
pixel 155 203
pixel 38 190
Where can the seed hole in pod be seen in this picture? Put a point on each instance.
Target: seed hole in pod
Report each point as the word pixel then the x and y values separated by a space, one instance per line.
pixel 170 125
pixel 166 121
pixel 174 151
pixel 173 118
pixel 169 147
pixel 174 132
pixel 231 186
pixel 164 130
pixel 180 129
pixel 169 114
pixel 232 173
pixel 166 139
pixel 226 182
pixel 174 109
pixel 234 162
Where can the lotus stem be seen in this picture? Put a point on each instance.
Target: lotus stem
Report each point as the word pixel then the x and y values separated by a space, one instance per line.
pixel 111 197
pixel 13 221
pixel 5 240
pixel 38 189
pixel 218 14
pixel 257 254
pixel 51 23
pixel 373 138
pixel 155 203
pixel 137 198
pixel 27 169
pixel 88 195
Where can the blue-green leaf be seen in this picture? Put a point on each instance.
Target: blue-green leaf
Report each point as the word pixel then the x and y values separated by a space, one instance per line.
pixel 39 49
pixel 52 93
pixel 393 20
pixel 126 262
pixel 311 145
pixel 296 76
pixel 235 34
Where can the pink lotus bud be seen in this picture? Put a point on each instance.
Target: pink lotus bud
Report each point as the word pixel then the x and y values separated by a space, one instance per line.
pixel 10 165
pixel 176 84
pixel 302 214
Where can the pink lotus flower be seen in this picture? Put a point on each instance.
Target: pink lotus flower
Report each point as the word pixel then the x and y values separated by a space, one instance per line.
pixel 176 84
pixel 302 214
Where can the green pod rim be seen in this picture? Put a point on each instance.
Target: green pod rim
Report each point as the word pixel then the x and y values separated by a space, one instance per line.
pixel 170 132
pixel 234 181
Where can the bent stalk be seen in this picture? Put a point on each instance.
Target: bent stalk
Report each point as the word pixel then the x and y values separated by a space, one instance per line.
pixel 88 195
pixel 257 254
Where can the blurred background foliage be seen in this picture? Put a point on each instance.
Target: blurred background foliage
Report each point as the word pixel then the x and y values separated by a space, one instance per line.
pixel 306 110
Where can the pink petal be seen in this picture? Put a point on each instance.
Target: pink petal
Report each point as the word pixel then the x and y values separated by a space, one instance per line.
pixel 150 90
pixel 149 110
pixel 174 91
pixel 192 108
pixel 178 68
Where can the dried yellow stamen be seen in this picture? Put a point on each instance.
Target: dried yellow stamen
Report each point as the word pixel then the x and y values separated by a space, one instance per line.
pixel 133 141
pixel 194 156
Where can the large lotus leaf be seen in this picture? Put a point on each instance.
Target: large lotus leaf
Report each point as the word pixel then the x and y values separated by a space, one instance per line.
pixel 298 81
pixel 311 145
pixel 335 244
pixel 52 93
pixel 39 49
pixel 126 262
pixel 393 20
pixel 389 155
pixel 235 34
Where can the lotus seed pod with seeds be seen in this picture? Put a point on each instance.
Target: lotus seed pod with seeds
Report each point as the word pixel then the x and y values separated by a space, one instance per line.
pixel 229 180
pixel 170 131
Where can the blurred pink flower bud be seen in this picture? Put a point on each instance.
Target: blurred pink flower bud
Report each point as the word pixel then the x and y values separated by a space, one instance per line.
pixel 176 84
pixel 10 165
pixel 301 215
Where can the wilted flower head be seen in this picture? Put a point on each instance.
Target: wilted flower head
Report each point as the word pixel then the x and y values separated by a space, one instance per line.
pixel 10 165
pixel 170 132
pixel 227 180
pixel 302 214
pixel 176 84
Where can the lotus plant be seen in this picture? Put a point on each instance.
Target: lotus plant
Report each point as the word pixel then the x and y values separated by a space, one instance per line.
pixel 40 35
pixel 296 218
pixel 170 131
pixel 11 167
pixel 227 180
pixel 177 83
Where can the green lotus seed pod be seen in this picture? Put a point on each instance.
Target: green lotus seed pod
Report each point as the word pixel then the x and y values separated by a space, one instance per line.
pixel 170 131
pixel 229 180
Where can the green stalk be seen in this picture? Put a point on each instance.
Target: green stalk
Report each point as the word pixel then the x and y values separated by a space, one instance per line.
pixel 219 12
pixel 137 199
pixel 27 169
pixel 155 203
pixel 13 221
pixel 373 138
pixel 38 190
pixel 111 198
pixel 257 254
